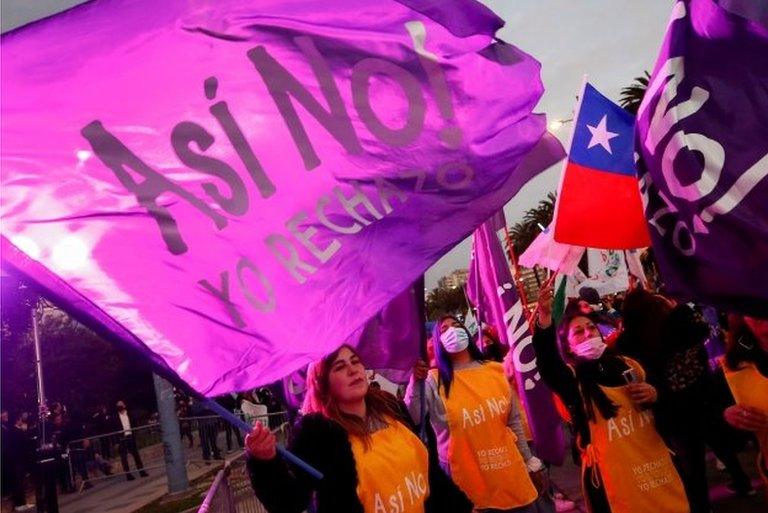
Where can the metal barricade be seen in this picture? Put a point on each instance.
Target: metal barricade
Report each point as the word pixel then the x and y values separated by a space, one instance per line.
pixel 219 498
pixel 97 458
pixel 231 491
pixel 204 439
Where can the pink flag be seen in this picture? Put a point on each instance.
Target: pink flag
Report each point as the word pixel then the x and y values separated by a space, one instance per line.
pixel 546 252
pixel 234 188
pixel 635 265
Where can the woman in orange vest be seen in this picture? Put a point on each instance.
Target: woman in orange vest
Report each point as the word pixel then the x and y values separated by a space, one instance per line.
pixel 745 365
pixel 480 440
pixel 626 467
pixel 362 440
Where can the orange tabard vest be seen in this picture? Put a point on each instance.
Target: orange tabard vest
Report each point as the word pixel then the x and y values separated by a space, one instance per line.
pixel 750 388
pixel 483 456
pixel 393 473
pixel 634 463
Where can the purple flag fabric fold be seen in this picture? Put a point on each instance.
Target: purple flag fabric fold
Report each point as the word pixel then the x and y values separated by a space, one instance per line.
pixel 236 188
pixel 490 288
pixel 704 157
pixel 390 342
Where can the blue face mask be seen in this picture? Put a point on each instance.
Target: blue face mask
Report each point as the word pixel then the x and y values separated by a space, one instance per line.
pixel 455 340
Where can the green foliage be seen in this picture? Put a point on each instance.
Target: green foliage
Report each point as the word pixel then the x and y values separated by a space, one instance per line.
pixel 85 370
pixel 18 353
pixel 80 369
pixel 442 300
pixel 632 95
pixel 524 232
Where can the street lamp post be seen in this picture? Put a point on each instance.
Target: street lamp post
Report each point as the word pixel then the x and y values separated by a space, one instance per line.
pixel 41 408
pixel 47 459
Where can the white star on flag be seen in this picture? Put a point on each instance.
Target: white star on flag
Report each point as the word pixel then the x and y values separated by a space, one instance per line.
pixel 601 135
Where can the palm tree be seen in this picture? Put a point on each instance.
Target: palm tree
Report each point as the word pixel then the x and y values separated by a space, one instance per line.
pixel 632 95
pixel 522 234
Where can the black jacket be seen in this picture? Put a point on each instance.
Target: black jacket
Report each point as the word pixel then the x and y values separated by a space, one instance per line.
pixel 228 402
pixel 116 425
pixel 325 445
pixel 562 381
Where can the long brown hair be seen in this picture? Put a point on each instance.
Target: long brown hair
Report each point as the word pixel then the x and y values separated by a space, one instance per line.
pixel 381 406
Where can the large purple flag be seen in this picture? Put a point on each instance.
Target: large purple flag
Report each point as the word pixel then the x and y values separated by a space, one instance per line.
pixel 701 135
pixel 234 188
pixel 491 289
pixel 391 341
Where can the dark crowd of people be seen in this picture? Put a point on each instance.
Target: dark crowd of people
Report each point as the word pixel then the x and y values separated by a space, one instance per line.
pixel 90 446
pixel 81 448
pixel 646 386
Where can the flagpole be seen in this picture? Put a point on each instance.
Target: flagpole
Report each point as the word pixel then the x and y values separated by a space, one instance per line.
pixel 530 317
pixel 420 297
pixel 515 268
pixel 243 426
pixel 478 318
pixel 466 300
pixel 550 281
pixel 568 149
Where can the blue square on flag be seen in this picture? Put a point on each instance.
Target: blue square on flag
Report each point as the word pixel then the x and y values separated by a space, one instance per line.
pixel 604 135
pixel 599 203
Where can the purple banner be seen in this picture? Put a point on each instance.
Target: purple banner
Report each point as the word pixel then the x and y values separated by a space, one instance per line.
pixel 491 289
pixel 701 135
pixel 236 188
pixel 391 341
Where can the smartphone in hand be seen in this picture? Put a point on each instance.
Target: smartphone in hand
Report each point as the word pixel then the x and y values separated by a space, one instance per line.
pixel 630 376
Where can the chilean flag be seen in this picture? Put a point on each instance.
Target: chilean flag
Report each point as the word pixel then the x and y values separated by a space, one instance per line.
pixel 598 204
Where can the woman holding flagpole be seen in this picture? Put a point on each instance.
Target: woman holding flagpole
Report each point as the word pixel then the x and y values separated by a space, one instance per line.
pixel 480 437
pixel 626 467
pixel 745 365
pixel 361 439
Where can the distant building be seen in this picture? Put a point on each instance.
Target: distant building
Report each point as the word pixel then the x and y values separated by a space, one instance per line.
pixel 532 283
pixel 456 279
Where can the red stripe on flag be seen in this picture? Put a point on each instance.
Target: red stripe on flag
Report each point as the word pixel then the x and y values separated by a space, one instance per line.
pixel 598 209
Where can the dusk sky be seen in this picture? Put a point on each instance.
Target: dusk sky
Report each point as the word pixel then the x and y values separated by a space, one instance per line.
pixel 611 41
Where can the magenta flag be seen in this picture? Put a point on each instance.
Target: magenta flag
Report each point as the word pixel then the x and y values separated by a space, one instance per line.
pixel 235 188
pixel 491 290
pixel 391 341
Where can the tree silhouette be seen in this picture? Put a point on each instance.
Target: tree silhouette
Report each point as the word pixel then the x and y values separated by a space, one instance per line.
pixel 524 232
pixel 81 369
pixel 443 300
pixel 632 95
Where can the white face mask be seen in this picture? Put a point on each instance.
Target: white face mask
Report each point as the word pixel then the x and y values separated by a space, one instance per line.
pixel 455 340
pixel 590 349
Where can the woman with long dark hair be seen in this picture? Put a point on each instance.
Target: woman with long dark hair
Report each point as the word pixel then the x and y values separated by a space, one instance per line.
pixel 668 340
pixel 626 467
pixel 361 439
pixel 746 369
pixel 480 439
